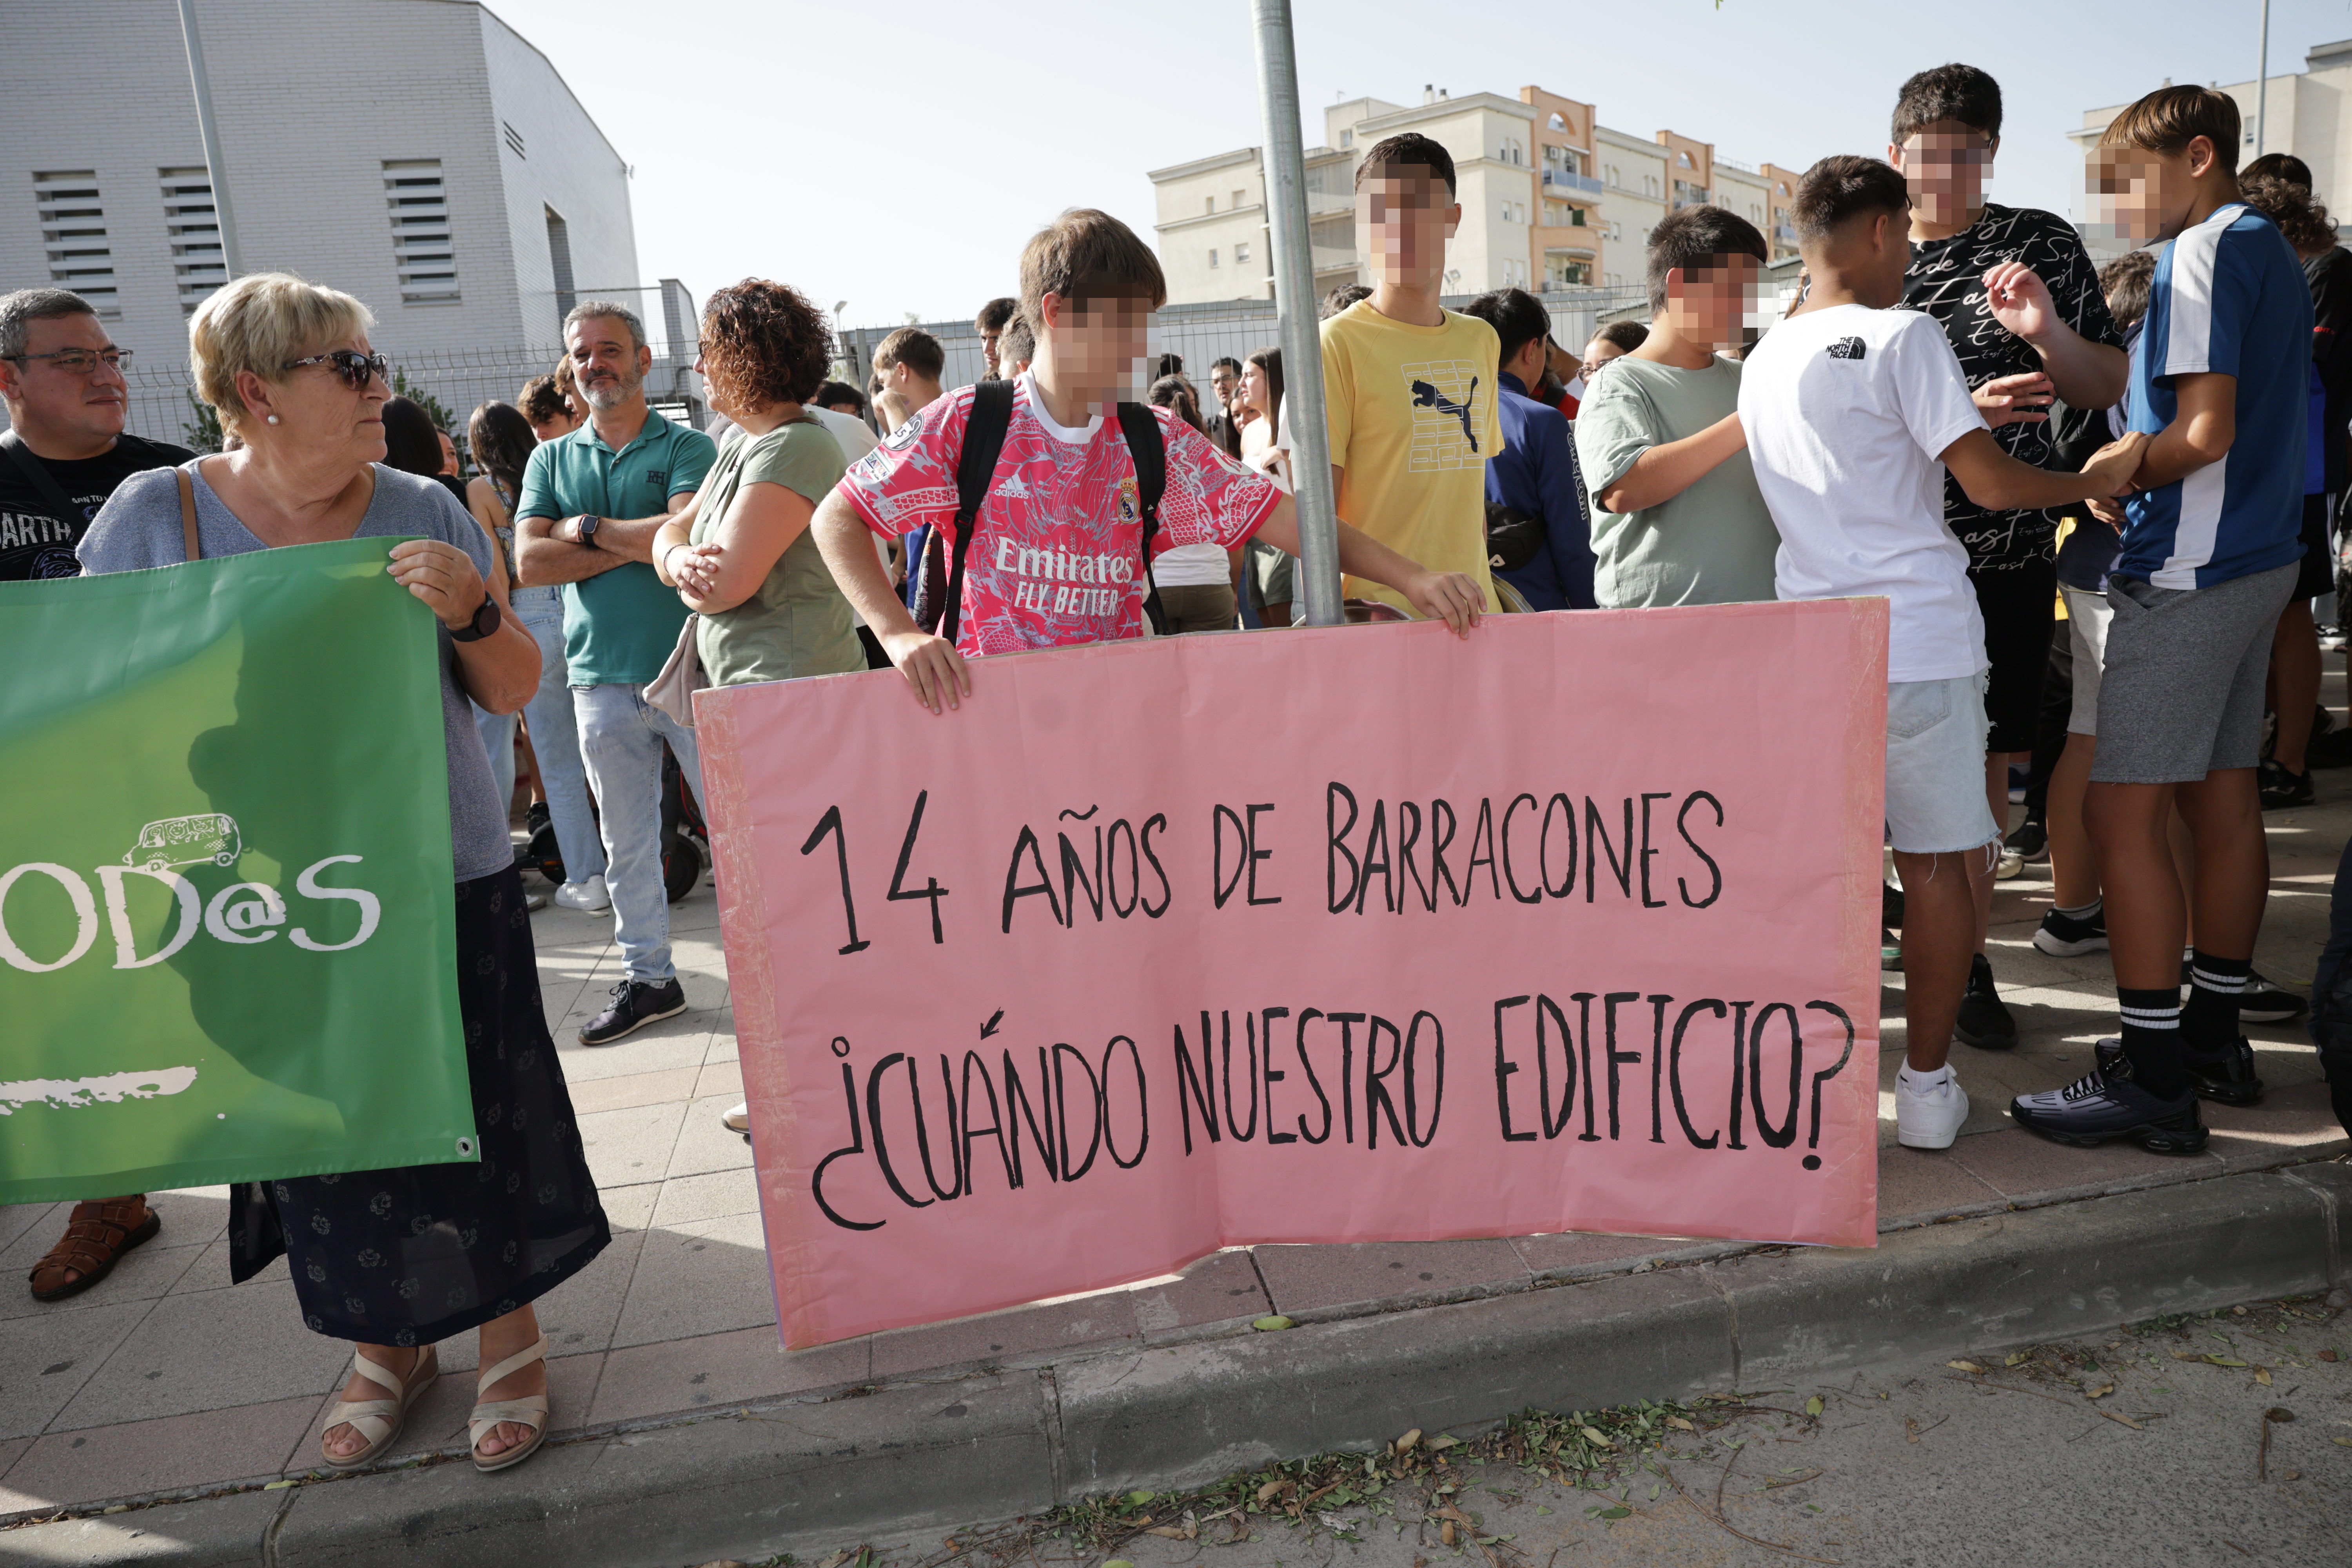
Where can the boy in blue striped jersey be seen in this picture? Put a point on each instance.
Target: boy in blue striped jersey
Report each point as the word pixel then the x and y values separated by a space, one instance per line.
pixel 2211 547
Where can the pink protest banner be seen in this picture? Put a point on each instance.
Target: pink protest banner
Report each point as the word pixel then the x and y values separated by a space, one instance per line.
pixel 1364 933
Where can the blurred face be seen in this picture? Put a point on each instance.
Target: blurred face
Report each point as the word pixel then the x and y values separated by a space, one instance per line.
pixel 1945 164
pixel 449 453
pixel 1404 218
pixel 1223 383
pixel 1713 303
pixel 2140 196
pixel 1097 344
pixel 63 386
pixel 987 342
pixel 610 369
pixel 1598 353
pixel 548 429
pixel 1256 393
pixel 320 412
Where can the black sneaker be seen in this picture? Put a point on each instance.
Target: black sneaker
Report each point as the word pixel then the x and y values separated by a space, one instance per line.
pixel 2100 1106
pixel 636 1004
pixel 2261 1002
pixel 1890 906
pixel 535 817
pixel 1984 1020
pixel 2063 936
pixel 2282 790
pixel 2031 839
pixel 2226 1079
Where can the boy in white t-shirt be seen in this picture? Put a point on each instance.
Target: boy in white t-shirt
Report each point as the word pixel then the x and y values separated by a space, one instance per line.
pixel 1853 410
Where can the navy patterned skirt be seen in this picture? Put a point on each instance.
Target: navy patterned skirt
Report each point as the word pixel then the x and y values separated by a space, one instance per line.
pixel 410 1256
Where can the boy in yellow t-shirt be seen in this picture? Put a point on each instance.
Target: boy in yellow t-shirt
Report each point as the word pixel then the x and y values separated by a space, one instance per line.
pixel 1409 387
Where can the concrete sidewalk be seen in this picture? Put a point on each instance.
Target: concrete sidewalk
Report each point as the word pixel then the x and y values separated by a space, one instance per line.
pixel 166 1382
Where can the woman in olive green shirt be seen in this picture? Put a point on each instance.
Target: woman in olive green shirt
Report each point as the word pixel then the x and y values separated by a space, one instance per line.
pixel 740 554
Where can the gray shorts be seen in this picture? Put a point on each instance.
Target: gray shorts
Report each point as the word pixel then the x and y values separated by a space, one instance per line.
pixel 2181 695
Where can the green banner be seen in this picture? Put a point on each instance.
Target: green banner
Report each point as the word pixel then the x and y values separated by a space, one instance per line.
pixel 226 929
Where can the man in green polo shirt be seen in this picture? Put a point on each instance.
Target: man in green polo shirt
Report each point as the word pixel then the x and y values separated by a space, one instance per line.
pixel 592 502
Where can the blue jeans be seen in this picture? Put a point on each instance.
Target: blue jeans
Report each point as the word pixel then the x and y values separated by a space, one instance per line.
pixel 554 739
pixel 621 738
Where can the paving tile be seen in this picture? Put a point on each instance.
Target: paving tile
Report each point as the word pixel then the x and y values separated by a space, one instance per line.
pixel 193 1216
pixel 631 1146
pixel 2297 1121
pixel 2023 1167
pixel 1218 1288
pixel 722 1078
pixel 1104 1317
pixel 628 1090
pixel 705 1144
pixel 1331 1281
pixel 20 1220
pixel 630 1207
pixel 643 1052
pixel 167 1454
pixel 1915 1184
pixel 210 1271
pixel 147 1271
pixel 209 1351
pixel 710 1196
pixel 727 1369
pixel 45 1361
pixel 11 1450
pixel 704 1276
pixel 1570 1254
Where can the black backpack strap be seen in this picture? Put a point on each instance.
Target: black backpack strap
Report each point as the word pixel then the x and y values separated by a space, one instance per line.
pixel 1147 449
pixel 984 440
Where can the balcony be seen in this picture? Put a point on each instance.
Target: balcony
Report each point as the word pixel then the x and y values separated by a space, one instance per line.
pixel 1561 179
pixel 1327 203
pixel 1334 258
pixel 1785 232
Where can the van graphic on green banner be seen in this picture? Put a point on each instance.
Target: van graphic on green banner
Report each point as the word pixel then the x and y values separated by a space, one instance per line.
pixel 226 937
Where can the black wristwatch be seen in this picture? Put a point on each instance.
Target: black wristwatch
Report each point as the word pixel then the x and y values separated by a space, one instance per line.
pixel 589 524
pixel 485 622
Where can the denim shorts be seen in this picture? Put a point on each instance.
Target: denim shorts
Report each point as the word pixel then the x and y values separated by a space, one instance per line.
pixel 1936 766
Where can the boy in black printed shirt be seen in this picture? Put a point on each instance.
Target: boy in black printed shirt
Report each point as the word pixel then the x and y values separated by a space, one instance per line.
pixel 2019 301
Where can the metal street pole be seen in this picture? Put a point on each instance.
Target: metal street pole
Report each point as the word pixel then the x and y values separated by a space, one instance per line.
pixel 1302 346
pixel 210 131
pixel 2262 84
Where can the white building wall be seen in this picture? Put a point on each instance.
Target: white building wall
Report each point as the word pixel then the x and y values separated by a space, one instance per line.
pixel 1198 215
pixel 312 96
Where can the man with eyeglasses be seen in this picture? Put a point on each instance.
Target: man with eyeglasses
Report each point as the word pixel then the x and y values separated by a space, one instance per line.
pixel 590 504
pixel 61 377
pixel 63 454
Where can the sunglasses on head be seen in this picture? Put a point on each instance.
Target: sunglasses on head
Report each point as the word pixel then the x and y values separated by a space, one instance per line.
pixel 354 366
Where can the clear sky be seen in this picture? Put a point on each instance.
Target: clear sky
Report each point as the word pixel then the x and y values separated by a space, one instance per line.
pixel 897 155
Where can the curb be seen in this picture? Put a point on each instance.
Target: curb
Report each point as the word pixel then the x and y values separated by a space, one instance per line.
pixel 919 1457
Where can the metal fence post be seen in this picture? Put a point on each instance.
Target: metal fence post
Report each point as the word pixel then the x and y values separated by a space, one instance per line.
pixel 1302 346
pixel 216 170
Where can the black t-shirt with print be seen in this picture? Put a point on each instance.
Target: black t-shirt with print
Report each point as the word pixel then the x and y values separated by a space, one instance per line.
pixel 37 542
pixel 1945 280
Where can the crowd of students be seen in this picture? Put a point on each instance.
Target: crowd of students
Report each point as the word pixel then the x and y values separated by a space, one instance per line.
pixel 1959 415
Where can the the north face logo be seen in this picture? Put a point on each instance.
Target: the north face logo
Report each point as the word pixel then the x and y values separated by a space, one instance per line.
pixel 1846 348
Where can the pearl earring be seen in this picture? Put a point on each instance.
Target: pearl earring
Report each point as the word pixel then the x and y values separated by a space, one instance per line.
pixel 273 419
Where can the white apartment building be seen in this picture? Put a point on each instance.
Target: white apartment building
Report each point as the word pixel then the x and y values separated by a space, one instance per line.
pixel 1550 199
pixel 418 154
pixel 2307 117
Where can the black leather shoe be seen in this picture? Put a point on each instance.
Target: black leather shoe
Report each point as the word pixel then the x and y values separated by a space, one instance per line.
pixel 636 1004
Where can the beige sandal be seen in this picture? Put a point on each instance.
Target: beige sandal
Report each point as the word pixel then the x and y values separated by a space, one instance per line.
pixel 379 1420
pixel 529 1411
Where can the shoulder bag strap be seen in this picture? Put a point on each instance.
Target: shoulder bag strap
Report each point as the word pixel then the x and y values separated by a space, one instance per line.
pixel 194 546
pixel 1147 448
pixel 38 473
pixel 984 441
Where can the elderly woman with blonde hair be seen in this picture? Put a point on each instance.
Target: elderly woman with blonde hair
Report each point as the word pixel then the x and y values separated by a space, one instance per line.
pixel 394 1259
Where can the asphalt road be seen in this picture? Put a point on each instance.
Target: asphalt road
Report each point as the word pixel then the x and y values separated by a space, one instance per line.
pixel 1936 1464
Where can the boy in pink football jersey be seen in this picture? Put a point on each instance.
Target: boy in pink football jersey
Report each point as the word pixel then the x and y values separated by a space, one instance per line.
pixel 1056 556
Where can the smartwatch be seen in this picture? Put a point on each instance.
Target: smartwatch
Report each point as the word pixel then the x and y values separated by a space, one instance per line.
pixel 589 524
pixel 485 622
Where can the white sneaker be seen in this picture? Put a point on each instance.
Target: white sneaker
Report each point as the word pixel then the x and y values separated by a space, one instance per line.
pixel 2011 866
pixel 588 897
pixel 740 1119
pixel 1929 1108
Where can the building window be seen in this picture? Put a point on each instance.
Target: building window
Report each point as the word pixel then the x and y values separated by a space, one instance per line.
pixel 1649 184
pixel 73 229
pixel 1213 259
pixel 193 226
pixel 421 250
pixel 514 138
pixel 1241 199
pixel 1576 217
pixel 1240 256
pixel 558 259
pixel 1565 271
pixel 1614 183
pixel 1347 139
pixel 1556 122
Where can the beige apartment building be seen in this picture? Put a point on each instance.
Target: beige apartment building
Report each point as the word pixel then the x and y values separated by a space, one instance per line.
pixel 2307 117
pixel 1551 199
